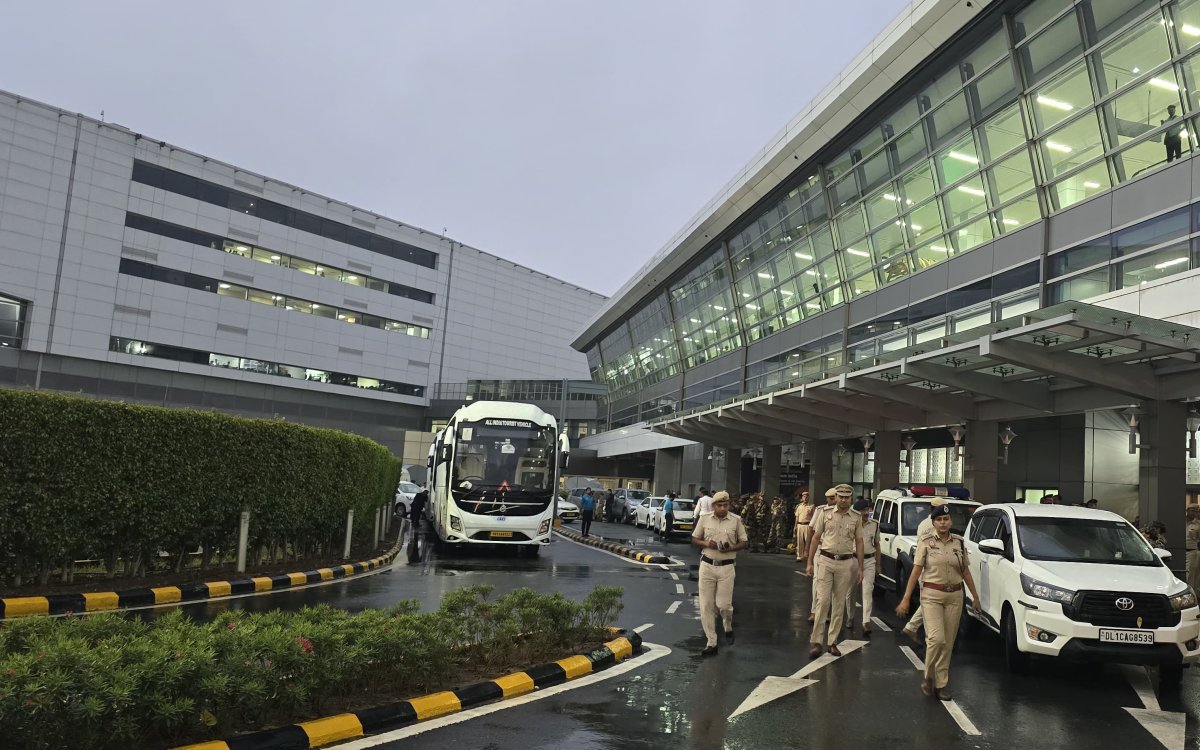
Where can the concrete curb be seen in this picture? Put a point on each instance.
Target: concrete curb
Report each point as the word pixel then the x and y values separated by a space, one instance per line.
pixel 617 549
pixel 319 732
pixel 186 593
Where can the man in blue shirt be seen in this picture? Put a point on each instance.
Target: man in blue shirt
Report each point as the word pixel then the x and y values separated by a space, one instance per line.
pixel 668 513
pixel 587 508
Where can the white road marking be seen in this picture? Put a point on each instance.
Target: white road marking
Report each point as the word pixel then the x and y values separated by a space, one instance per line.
pixel 955 710
pixel 916 660
pixel 664 566
pixel 653 651
pixel 643 628
pixel 674 606
pixel 1168 727
pixel 1139 678
pixel 674 576
pixel 881 625
pixel 679 588
pixel 622 558
pixel 774 687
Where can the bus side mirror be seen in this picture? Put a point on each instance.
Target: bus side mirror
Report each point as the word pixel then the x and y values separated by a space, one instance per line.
pixel 443 453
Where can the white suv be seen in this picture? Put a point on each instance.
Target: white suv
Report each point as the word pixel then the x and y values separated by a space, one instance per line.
pixel 899 514
pixel 1082 584
pixel 683 514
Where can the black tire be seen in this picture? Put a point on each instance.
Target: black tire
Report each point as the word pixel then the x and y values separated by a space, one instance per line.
pixel 400 510
pixel 1015 660
pixel 1170 676
pixel 532 550
pixel 969 626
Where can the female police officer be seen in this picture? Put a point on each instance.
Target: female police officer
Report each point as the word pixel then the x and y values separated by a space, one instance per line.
pixel 941 566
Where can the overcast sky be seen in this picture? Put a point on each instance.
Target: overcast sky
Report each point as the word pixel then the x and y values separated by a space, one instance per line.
pixel 573 137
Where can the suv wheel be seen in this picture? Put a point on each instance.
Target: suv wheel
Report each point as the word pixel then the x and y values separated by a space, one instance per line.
pixel 1016 661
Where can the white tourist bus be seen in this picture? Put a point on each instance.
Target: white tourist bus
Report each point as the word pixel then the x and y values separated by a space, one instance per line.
pixel 493 475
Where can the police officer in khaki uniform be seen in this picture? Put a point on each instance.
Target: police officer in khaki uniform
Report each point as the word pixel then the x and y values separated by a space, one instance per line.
pixel 1192 545
pixel 804 512
pixel 719 535
pixel 830 498
pixel 924 529
pixel 870 562
pixel 941 565
pixel 837 536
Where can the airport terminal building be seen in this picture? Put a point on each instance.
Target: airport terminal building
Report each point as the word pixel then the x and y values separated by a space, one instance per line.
pixel 973 258
pixel 133 269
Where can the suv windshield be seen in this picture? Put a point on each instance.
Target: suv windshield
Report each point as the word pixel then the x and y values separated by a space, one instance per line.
pixel 1083 540
pixel 679 505
pixel 637 495
pixel 914 513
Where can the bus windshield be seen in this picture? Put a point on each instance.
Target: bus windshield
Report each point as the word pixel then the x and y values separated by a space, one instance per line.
pixel 513 456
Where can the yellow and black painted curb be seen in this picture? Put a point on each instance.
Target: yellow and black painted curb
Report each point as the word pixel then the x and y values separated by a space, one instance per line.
pixel 347 726
pixel 617 549
pixel 186 593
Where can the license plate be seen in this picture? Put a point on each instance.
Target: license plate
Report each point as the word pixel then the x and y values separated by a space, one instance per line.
pixel 684 526
pixel 502 535
pixel 1137 637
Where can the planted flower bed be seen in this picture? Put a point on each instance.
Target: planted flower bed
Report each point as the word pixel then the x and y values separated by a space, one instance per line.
pixel 108 681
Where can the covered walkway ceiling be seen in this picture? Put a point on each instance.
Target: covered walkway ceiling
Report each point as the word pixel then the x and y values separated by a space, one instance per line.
pixel 1064 359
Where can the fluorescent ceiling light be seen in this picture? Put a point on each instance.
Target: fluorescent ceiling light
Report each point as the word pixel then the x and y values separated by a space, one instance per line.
pixel 938 249
pixel 890 197
pixel 786 292
pixel 752 307
pixel 1091 184
pixel 802 256
pixel 768 276
pixel 718 307
pixel 1163 84
pixel 1189 29
pixel 811 273
pixel 1011 222
pixel 916 227
pixel 963 157
pixel 859 253
pixel 1059 147
pixel 971 191
pixel 224 286
pixel 813 305
pixel 1172 262
pixel 694 320
pixel 1055 104
pixel 745 295
pixel 274 257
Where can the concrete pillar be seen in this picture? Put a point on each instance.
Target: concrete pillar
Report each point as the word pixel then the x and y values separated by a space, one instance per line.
pixel 887 460
pixel 668 471
pixel 981 471
pixel 731 479
pixel 820 470
pixel 772 464
pixel 1162 473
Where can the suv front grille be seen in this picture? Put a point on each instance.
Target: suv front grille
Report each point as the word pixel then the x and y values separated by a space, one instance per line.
pixel 1100 608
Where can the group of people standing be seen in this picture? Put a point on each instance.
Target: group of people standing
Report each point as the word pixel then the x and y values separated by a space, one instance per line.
pixel 838 542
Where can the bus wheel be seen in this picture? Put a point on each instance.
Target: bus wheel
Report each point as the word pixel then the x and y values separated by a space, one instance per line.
pixel 533 550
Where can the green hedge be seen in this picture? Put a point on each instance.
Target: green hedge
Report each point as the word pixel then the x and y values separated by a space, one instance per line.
pixel 89 479
pixel 107 681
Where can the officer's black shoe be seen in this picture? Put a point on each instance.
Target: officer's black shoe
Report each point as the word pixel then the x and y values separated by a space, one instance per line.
pixel 729 637
pixel 709 651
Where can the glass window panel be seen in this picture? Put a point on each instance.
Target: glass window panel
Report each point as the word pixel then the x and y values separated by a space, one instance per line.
pixel 908 148
pixel 918 185
pixel 1081 185
pixel 298 305
pixel 802 251
pixel 965 201
pixel 881 207
pixel 934 252
pixel 1018 214
pixel 844 190
pixel 902 118
pixel 1088 254
pixel 304 266
pixel 856 260
pixel 237 248
pixel 1065 95
pixel 1145 157
pixel 924 222
pixel 1151 232
pixel 1051 49
pixel 947 121
pixel 870 142
pixel 822 241
pixel 1109 16
pixel 972 235
pixel 929 332
pixel 992 90
pixel 266 256
pixel 863 284
pixel 874 171
pixel 943 86
pixel 1142 109
pixel 985 54
pixel 354 279
pixel 1154 266
pixel 967 321
pixel 263 298
pixel 1141 49
pixel 895 269
pixel 225 289
pixel 888 241
pixel 839 166
pixel 1012 176
pixel 1001 134
pixel 1187 23
pixel 1081 287
pixel 1037 15
pixel 958 161
pixel 827 275
pixel 325 311
pixel 851 225
pixel 1075 144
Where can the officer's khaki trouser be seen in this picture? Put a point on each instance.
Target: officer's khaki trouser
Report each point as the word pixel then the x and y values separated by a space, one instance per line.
pixel 850 594
pixel 943 611
pixel 1193 570
pixel 868 588
pixel 816 577
pixel 803 535
pixel 832 583
pixel 716 596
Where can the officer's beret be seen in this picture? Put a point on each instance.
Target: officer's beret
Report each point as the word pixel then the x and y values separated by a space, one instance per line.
pixel 939 510
pixel 862 505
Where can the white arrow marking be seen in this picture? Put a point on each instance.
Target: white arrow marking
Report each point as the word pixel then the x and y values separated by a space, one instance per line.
pixel 952 707
pixel 1168 727
pixel 674 576
pixel 774 687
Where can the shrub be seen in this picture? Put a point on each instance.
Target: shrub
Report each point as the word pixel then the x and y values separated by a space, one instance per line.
pixel 85 479
pixel 108 681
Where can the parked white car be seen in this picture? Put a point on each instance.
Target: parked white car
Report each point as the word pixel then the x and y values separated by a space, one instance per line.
pixel 643 515
pixel 683 516
pixel 405 492
pixel 1078 583
pixel 568 511
pixel 899 515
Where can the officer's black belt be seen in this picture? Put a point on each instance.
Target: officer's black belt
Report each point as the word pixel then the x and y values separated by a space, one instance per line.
pixel 1193 549
pixel 716 562
pixel 832 556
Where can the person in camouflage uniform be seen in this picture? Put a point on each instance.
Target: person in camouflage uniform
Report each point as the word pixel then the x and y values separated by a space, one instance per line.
pixel 755 519
pixel 738 504
pixel 780 534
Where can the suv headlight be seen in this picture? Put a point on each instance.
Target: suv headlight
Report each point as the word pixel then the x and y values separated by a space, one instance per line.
pixel 1040 590
pixel 1185 599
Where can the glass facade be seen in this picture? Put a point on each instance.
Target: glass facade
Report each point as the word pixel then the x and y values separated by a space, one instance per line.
pixel 1050 105
pixel 294 304
pixel 180 354
pixel 12 322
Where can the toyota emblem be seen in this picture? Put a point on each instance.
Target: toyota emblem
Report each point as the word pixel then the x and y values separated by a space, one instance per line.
pixel 1124 603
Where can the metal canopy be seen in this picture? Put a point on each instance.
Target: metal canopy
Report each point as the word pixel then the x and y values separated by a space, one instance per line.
pixel 1065 359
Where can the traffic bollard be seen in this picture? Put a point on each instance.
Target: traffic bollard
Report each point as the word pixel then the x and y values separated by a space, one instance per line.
pixel 349 533
pixel 243 537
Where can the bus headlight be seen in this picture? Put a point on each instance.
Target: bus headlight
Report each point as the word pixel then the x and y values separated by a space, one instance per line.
pixel 456 523
pixel 544 527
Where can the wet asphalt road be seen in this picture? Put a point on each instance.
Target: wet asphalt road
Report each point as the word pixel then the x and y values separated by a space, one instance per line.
pixel 866 699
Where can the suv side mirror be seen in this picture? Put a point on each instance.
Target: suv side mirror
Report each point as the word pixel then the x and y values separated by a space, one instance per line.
pixel 991 547
pixel 1163 554
pixel 887 528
